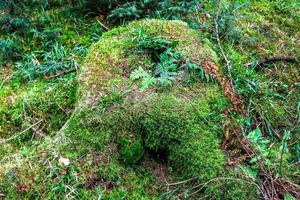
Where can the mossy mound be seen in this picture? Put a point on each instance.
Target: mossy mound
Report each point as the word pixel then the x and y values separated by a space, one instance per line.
pixel 183 132
pixel 176 121
pixel 179 125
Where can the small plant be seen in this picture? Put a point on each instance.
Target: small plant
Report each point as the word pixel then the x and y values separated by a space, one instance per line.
pixel 110 99
pixel 153 46
pixel 284 147
pixel 272 155
pixel 261 145
pixel 195 71
pixel 167 68
pixel 226 15
pixel 8 50
pixel 147 79
pixel 166 62
pixel 124 11
pixel 64 178
pixel 162 54
pixel 39 63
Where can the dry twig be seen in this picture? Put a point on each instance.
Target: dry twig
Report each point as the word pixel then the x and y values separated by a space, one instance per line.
pixel 266 61
pixel 63 73
pixel 228 65
pixel 6 79
pixel 101 24
pixel 201 186
pixel 227 83
pixel 180 182
pixel 18 134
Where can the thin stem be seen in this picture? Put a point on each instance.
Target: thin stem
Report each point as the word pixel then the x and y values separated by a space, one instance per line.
pixel 18 134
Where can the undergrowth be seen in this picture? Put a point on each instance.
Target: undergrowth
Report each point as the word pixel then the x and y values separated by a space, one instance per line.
pixel 126 149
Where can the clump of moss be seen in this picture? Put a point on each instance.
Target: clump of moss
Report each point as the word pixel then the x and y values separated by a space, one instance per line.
pixel 181 125
pixel 130 148
pixel 184 132
pixel 48 103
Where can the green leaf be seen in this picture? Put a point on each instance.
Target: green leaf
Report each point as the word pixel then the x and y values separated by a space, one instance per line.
pixel 147 79
pixel 252 173
pixel 147 82
pixel 288 196
pixel 138 74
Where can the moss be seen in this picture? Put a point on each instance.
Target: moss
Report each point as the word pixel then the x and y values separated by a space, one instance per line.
pixel 178 126
pixel 116 54
pixel 198 157
pixel 50 102
pixel 184 131
pixel 39 101
pixel 106 144
pixel 232 187
pixel 130 148
pixel 181 125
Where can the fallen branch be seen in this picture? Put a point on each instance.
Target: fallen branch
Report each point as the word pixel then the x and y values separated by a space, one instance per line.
pixel 63 73
pixel 18 134
pixel 266 61
pixel 180 182
pixel 226 82
pixel 228 65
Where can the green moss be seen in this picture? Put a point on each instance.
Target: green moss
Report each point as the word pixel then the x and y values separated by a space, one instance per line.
pixel 116 54
pixel 184 131
pixel 165 122
pixel 199 157
pixel 181 125
pixel 49 103
pixel 131 149
pixel 39 101
pixel 232 187
pixel 113 132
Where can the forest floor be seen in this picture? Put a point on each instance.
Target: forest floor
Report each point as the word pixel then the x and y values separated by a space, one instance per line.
pixel 53 146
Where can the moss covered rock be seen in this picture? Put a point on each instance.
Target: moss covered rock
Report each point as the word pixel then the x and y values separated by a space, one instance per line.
pixel 182 122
